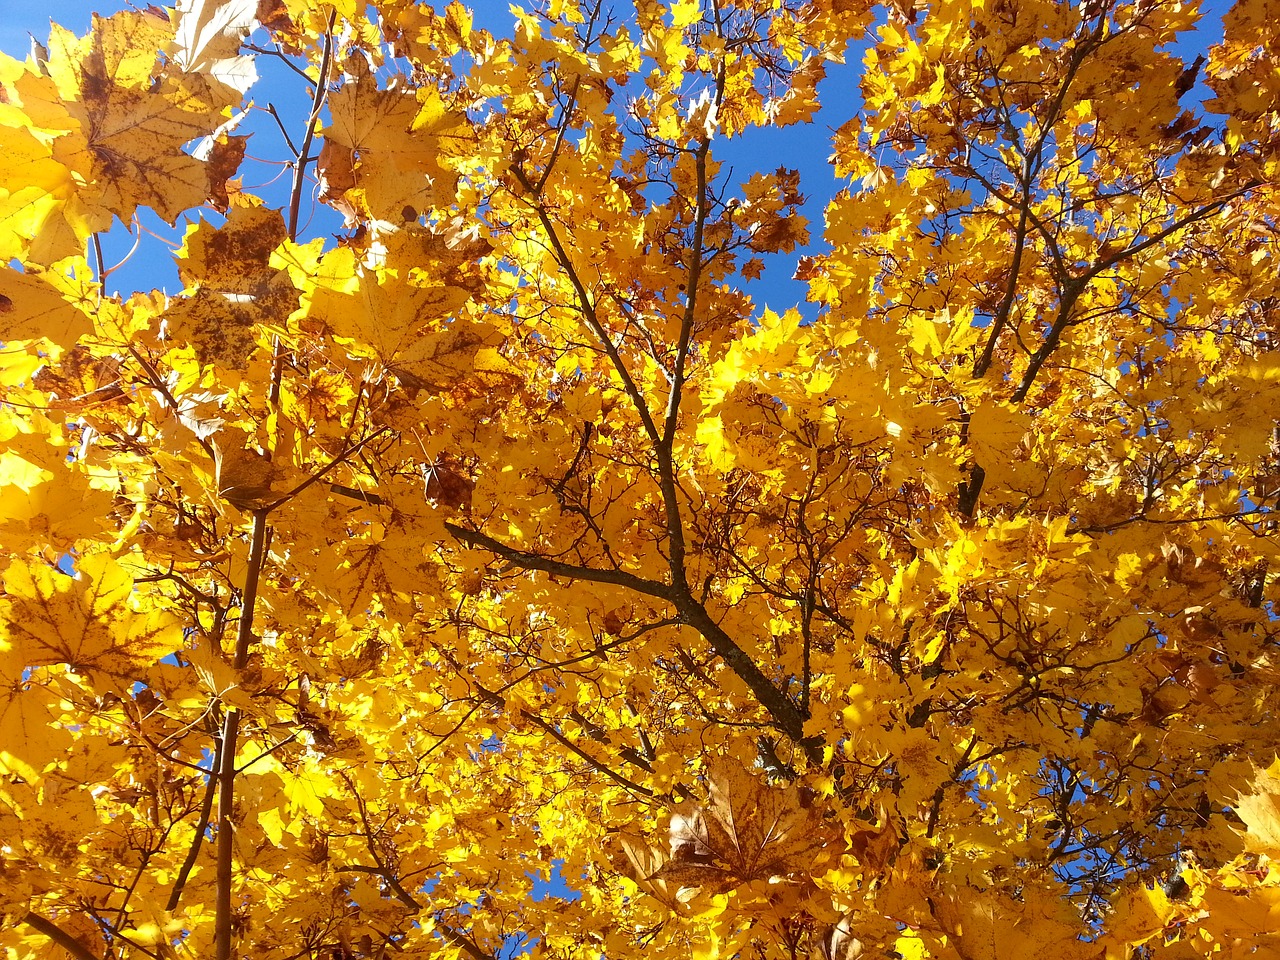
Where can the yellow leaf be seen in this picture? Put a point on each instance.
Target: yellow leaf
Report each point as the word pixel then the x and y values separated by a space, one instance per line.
pixel 1259 807
pixel 91 621
pixel 391 146
pixel 30 737
pixel 42 306
pixel 685 12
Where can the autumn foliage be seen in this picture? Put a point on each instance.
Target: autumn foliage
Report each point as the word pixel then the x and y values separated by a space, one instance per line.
pixel 483 569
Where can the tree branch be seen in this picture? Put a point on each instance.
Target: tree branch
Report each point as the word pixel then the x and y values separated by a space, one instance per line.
pixel 589 311
pixel 317 102
pixel 595 764
pixel 785 714
pixel 469 947
pixel 193 851
pixel 58 936
pixel 666 466
pixel 230 733
pixel 573 571
pixel 1030 166
pixel 1076 285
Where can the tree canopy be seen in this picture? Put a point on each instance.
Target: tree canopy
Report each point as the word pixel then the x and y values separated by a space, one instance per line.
pixel 499 576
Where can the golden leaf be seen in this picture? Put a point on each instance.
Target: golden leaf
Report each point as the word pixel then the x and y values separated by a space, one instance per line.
pixel 1259 807
pixel 92 621
pixel 385 150
pixel 43 306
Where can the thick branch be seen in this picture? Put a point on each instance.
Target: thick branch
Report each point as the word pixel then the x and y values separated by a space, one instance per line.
pixel 1010 291
pixel 230 733
pixel 935 807
pixel 58 936
pixel 786 715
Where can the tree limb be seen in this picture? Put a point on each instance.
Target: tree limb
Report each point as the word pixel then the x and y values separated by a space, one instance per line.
pixel 193 851
pixel 58 936
pixel 230 733
pixel 1075 286
pixel 573 571
pixel 591 761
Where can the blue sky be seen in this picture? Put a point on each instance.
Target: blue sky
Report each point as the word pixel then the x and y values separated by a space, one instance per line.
pixel 803 147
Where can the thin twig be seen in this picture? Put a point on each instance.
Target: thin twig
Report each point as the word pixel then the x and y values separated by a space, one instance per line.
pixel 1076 286
pixel 331 465
pixel 271 109
pixel 591 761
pixel 588 310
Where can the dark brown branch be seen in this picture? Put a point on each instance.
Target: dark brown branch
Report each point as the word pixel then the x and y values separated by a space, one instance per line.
pixel 583 446
pixel 58 936
pixel 588 309
pixel 1030 167
pixel 271 109
pixel 157 383
pixel 317 102
pixel 327 468
pixel 230 733
pixel 935 808
pixel 666 466
pixel 1076 286
pixel 970 490
pixel 785 714
pixel 193 851
pixel 558 568
pixel 983 364
pixel 98 261
pixel 601 735
pixel 382 870
pixel 267 752
pixel 566 117
pixel 591 761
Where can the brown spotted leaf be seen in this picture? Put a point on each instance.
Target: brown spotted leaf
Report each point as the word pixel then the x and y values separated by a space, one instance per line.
pixel 92 621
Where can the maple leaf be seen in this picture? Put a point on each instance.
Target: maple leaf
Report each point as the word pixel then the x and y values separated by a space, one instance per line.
pixel 46 499
pixel 114 129
pixel 369 578
pixel 31 738
pixel 235 293
pixel 44 306
pixel 207 39
pixel 91 622
pixel 1259 807
pixel 405 321
pixel 386 151
pixel 748 830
